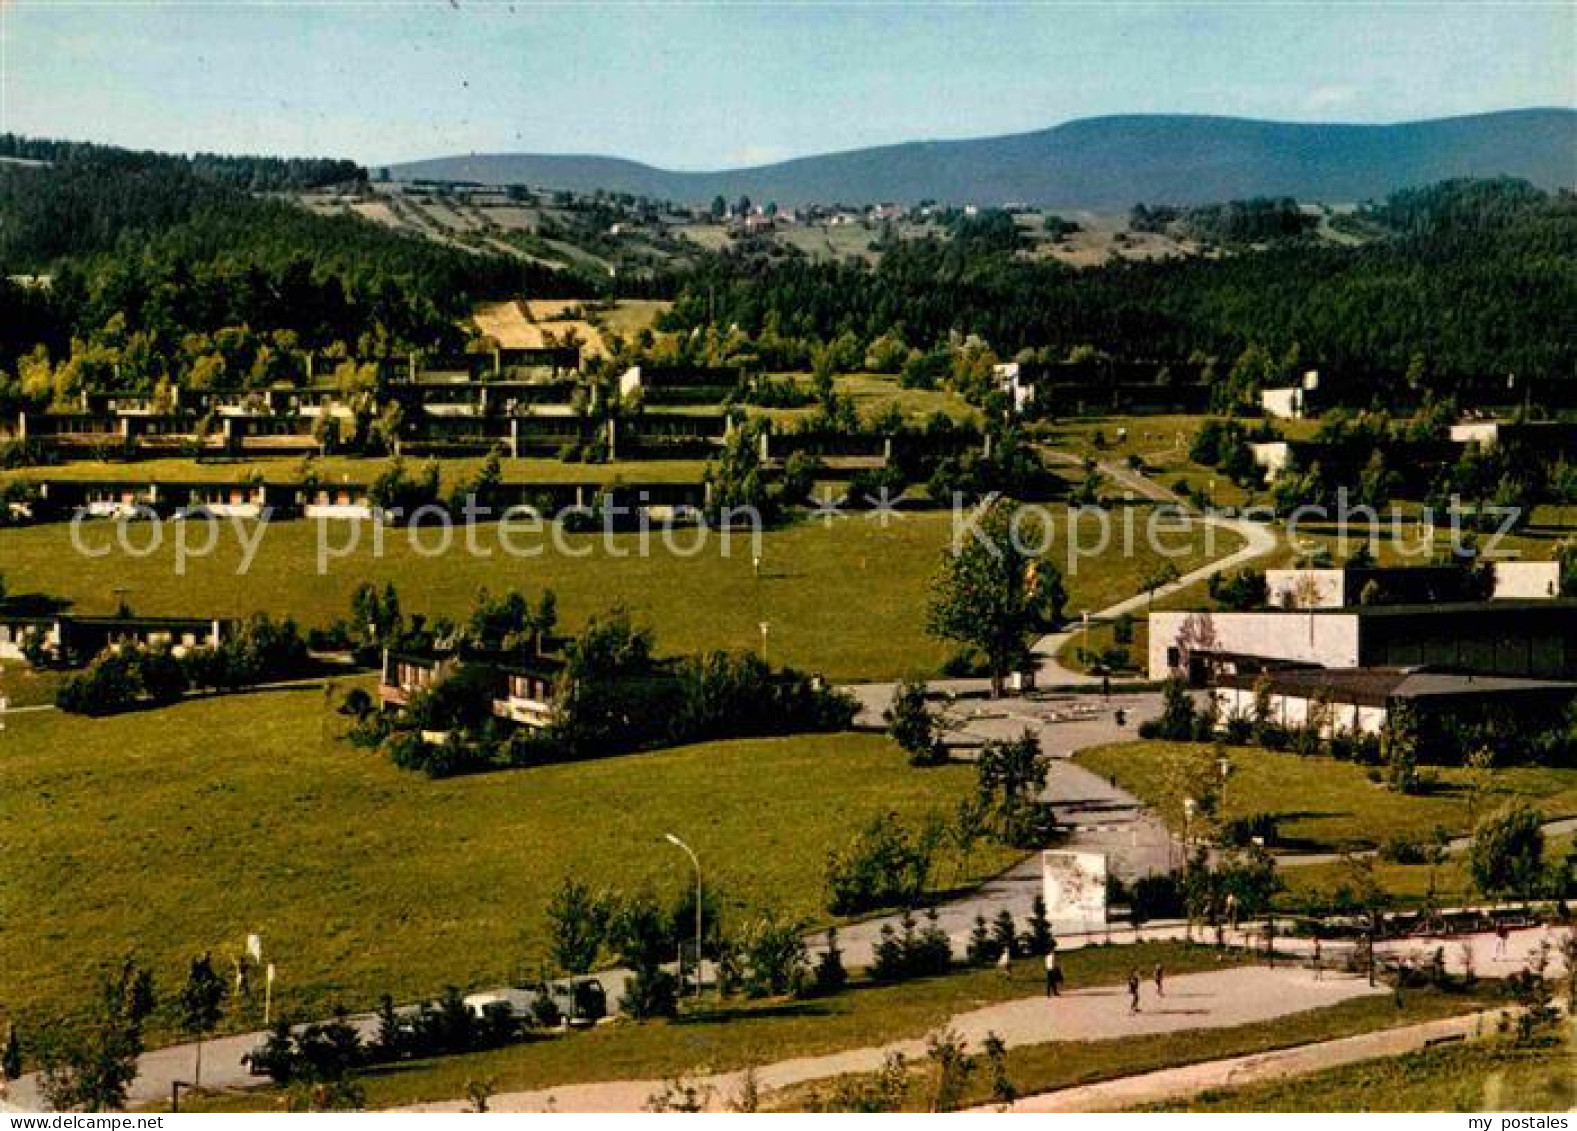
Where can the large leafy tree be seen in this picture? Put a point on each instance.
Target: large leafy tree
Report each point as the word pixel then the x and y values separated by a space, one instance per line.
pixel 994 593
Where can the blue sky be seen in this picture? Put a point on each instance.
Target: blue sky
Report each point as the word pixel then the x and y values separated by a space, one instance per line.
pixel 703 86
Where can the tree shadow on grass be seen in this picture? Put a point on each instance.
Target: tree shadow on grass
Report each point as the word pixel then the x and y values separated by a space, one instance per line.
pixel 779 1011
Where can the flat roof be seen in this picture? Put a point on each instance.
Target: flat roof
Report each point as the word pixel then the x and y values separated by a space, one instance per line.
pixel 1376 685
pixel 1439 608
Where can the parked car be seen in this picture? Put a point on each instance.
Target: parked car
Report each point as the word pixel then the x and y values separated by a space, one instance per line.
pixel 582 1002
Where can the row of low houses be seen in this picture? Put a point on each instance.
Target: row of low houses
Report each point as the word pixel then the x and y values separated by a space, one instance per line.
pixel 478 405
pixel 71 639
pixel 1318 654
pixel 544 429
pixel 120 499
pixel 1418 461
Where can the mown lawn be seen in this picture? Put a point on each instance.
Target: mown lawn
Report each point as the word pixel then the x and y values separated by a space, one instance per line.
pixel 846 598
pixel 170 832
pixel 1403 885
pixel 1480 1077
pixel 1321 804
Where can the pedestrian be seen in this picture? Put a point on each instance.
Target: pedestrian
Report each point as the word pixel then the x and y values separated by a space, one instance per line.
pixel 1106 686
pixel 1005 963
pixel 1502 935
pixel 1160 981
pixel 1319 960
pixel 1053 975
pixel 1133 991
pixel 1122 717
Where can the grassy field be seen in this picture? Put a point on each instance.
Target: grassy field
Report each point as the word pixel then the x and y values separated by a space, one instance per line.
pixel 1404 885
pixel 1477 1077
pixel 174 831
pixel 845 599
pixel 1323 805
pixel 24 687
pixel 739 1033
pixel 1055 1065
pixel 873 393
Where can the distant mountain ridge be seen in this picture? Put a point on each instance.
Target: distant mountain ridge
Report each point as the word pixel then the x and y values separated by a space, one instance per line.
pixel 1094 163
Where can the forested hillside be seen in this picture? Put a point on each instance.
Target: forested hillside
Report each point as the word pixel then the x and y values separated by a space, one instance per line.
pixel 125 270
pixel 148 266
pixel 1477 278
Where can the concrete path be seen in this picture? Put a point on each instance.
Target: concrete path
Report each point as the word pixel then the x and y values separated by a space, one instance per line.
pixel 1213 1000
pixel 1258 541
pixel 1180 1083
pixel 1093 813
pixel 1210 1000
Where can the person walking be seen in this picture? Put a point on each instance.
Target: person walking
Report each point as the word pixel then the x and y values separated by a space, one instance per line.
pixel 1005 964
pixel 1160 981
pixel 1502 936
pixel 1133 991
pixel 1053 975
pixel 1319 960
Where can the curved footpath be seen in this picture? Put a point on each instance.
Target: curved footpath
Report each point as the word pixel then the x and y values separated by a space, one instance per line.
pixel 1127 1092
pixel 1215 999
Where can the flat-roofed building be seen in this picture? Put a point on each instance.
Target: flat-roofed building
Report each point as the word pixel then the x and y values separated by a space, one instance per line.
pixel 1517 639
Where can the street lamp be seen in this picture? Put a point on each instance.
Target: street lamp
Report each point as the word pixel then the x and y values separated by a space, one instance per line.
pixel 677 843
pixel 1189 808
pixel 1224 764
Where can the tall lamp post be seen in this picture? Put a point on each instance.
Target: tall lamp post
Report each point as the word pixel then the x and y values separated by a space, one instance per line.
pixel 1189 808
pixel 688 851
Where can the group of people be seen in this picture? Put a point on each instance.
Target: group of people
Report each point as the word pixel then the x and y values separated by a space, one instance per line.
pixel 1159 977
pixel 1054 979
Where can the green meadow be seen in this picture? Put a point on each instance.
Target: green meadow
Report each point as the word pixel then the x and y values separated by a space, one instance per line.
pixel 170 832
pixel 844 597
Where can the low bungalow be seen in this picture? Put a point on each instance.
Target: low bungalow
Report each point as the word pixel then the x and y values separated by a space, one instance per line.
pixel 524 686
pixel 71 639
pixel 1360 700
pixel 680 384
pixel 1514 639
pixel 1340 586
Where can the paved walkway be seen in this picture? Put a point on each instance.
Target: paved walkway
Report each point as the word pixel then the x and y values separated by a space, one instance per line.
pixel 1213 1000
pixel 1180 1083
pixel 1095 814
pixel 1258 541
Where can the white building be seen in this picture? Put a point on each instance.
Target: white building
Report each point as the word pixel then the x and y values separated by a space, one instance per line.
pixel 1338 587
